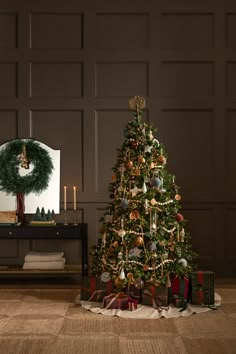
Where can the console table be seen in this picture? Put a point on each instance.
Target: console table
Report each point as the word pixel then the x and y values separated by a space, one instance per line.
pixel 59 231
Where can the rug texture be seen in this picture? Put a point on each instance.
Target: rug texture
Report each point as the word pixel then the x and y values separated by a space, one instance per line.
pixel 48 321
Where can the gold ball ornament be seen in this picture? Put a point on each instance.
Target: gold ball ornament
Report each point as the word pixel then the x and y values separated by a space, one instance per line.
pixel 138 241
pixel 115 244
pixel 141 160
pixel 129 164
pixel 145 267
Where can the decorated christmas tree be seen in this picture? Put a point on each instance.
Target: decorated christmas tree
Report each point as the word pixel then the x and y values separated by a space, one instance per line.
pixel 144 237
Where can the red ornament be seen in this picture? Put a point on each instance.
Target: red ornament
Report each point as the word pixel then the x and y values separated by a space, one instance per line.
pixel 179 217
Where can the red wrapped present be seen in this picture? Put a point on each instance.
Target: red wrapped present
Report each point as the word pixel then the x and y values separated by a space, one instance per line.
pixel 116 301
pixel 178 290
pixel 203 288
pixel 132 304
pixel 94 289
pixel 156 296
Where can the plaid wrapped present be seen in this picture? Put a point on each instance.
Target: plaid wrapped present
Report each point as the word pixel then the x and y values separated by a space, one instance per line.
pixel 156 296
pixel 116 301
pixel 203 288
pixel 178 292
pixel 94 289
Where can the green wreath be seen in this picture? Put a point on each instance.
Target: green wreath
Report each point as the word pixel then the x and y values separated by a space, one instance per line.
pixel 12 157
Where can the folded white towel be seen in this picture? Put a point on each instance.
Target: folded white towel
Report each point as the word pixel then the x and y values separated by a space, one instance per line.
pixel 45 265
pixel 33 256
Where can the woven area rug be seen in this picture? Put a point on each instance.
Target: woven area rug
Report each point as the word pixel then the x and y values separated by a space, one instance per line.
pixel 148 312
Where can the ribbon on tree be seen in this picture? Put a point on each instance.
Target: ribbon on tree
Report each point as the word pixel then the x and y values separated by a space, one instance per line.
pixel 20 206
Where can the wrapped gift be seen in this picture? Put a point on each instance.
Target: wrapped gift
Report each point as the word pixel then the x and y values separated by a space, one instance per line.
pixel 156 296
pixel 132 304
pixel 94 289
pixel 134 293
pixel 116 301
pixel 203 288
pixel 178 290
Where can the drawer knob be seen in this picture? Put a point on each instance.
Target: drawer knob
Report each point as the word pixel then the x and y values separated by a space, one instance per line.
pixel 58 232
pixel 10 233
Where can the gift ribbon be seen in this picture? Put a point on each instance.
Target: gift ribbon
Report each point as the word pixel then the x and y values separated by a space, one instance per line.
pixel 202 292
pixel 98 293
pixel 113 298
pixel 183 300
pixel 132 303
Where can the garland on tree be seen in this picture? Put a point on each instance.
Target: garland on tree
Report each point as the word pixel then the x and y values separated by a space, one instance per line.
pixel 13 156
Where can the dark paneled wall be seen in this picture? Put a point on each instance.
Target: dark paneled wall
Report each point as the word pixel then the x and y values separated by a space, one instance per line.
pixel 67 71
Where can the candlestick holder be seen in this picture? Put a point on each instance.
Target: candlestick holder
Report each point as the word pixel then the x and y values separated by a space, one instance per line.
pixel 75 223
pixel 65 218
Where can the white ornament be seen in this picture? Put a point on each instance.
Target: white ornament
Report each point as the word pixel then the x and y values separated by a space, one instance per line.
pixel 144 188
pixel 105 277
pixel 134 191
pixel 183 262
pixel 122 274
pixel 147 148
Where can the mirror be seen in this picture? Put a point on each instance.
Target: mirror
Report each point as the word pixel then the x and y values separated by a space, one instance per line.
pixel 48 198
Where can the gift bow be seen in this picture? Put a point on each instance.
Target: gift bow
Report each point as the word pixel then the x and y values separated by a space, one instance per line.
pixel 184 301
pixel 156 300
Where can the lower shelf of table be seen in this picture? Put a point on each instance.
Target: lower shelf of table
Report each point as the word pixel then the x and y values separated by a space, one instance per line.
pixel 17 271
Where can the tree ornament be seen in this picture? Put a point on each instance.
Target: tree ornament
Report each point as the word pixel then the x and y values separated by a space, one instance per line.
pixel 122 233
pixel 129 164
pixel 153 201
pixel 161 159
pixel 130 276
pixel 134 191
pixel 151 246
pixel 177 197
pixel 179 217
pixel 122 274
pixel 156 182
pixel 182 235
pixel 148 149
pixel 105 277
pixel 136 172
pixel 138 283
pixel 168 282
pixel 141 160
pixel 139 241
pixel 146 205
pixel 124 203
pixel 118 282
pixel 120 255
pixel 144 188
pixel 137 103
pixel 183 262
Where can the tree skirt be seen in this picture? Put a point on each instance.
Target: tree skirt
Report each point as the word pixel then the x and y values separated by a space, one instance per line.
pixel 148 312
